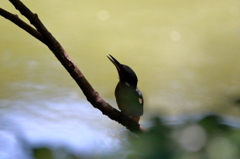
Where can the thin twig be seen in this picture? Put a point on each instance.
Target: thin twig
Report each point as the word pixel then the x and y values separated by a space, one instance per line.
pixel 16 20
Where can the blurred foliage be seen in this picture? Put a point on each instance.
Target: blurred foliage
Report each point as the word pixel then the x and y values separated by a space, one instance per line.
pixel 208 138
pixel 45 153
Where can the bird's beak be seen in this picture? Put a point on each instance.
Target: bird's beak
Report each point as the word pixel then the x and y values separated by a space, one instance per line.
pixel 115 62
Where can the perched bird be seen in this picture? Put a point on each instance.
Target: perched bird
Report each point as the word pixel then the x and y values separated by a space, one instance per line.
pixel 128 96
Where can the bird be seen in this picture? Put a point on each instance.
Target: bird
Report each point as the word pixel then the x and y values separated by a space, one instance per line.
pixel 128 97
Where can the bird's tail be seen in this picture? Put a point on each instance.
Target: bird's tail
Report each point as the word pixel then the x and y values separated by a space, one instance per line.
pixel 136 118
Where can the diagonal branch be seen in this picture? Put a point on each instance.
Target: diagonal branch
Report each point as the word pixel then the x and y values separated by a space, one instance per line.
pixel 16 20
pixel 91 95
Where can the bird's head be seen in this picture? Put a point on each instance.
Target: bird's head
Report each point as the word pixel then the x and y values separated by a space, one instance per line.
pixel 126 74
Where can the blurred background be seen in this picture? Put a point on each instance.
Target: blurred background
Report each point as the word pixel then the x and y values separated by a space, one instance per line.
pixel 185 54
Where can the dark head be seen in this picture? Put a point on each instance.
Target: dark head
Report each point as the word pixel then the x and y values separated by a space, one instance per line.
pixel 126 74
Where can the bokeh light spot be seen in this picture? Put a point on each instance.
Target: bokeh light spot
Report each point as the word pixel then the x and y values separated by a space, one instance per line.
pixel 103 15
pixel 234 11
pixel 175 36
pixel 192 138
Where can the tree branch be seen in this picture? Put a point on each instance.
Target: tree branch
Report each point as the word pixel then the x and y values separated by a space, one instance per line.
pixel 14 18
pixel 46 37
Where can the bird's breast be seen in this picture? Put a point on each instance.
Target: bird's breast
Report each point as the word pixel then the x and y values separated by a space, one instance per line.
pixel 129 100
